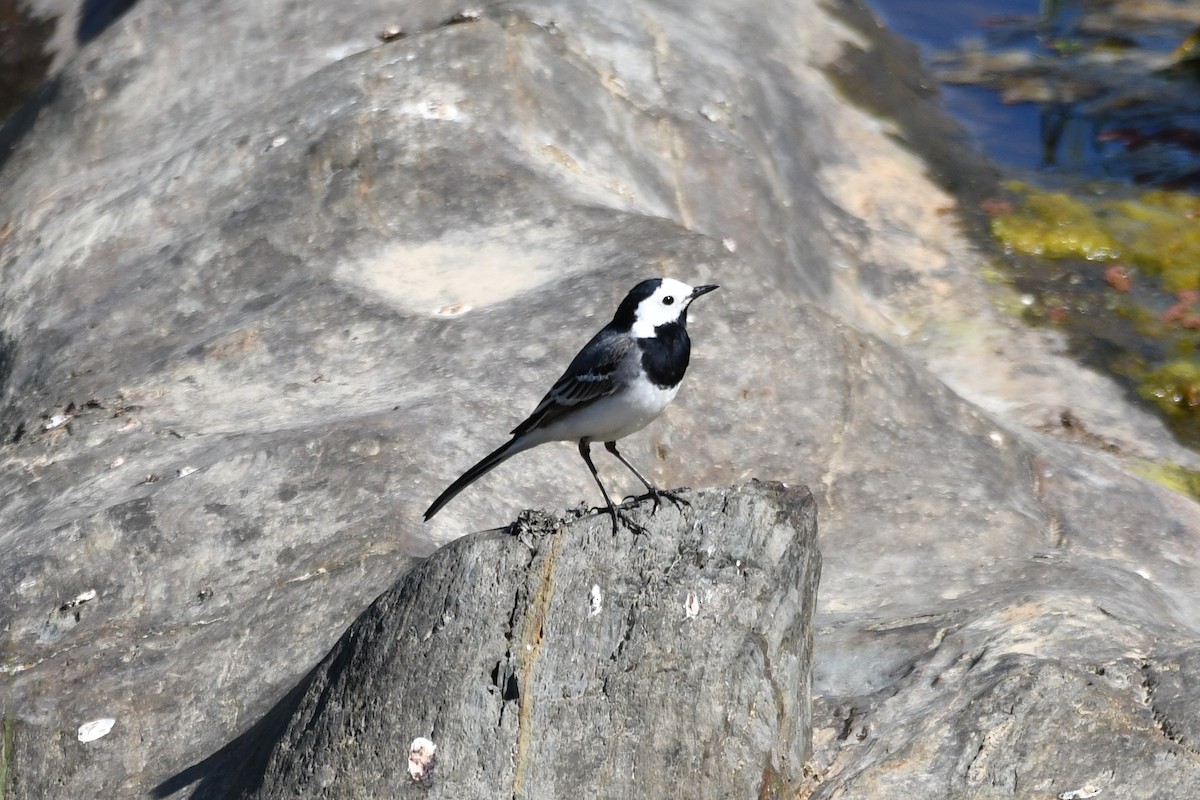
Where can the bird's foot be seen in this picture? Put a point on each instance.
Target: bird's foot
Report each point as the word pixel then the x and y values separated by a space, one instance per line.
pixel 636 528
pixel 620 517
pixel 675 498
pixel 656 495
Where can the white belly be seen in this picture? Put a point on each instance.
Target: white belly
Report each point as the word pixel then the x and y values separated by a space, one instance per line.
pixel 613 417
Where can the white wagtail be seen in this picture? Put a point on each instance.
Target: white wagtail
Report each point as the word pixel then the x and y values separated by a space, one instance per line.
pixel 617 385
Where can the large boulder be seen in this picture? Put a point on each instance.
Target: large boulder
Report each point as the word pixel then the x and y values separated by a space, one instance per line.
pixel 555 659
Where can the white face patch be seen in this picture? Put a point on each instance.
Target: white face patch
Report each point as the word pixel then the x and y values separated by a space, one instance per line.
pixel 665 305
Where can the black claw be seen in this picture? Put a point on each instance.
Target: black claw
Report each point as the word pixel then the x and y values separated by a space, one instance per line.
pixel 611 512
pixel 635 528
pixel 632 500
pixel 618 516
pixel 674 498
pixel 656 495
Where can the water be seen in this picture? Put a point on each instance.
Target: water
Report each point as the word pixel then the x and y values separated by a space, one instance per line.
pixel 938 25
pixel 1063 90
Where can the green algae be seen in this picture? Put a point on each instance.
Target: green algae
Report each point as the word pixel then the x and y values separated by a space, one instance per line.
pixel 1172 476
pixel 1158 231
pixel 1162 230
pixel 1054 225
pixel 1175 388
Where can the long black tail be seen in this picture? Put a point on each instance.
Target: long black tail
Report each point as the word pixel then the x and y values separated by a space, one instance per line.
pixel 490 462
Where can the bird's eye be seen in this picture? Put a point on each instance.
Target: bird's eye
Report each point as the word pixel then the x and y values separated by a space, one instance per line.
pixel 668 300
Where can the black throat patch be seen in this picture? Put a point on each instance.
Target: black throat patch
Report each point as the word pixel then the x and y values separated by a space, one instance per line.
pixel 665 355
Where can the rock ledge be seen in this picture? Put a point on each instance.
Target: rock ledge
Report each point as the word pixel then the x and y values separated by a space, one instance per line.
pixel 554 659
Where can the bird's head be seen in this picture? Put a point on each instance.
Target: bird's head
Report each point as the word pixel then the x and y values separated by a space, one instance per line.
pixel 656 302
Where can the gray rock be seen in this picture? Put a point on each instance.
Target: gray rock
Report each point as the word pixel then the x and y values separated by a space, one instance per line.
pixel 307 278
pixel 1027 727
pixel 557 660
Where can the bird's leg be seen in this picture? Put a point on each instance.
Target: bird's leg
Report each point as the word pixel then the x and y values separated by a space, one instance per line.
pixel 653 491
pixel 585 448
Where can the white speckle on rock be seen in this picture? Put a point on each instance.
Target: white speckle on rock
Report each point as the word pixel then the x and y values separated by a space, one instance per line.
pixel 58 420
pixel 309 575
pixel 96 729
pixel 435 109
pixel 1082 793
pixel 420 758
pixel 454 310
pixel 596 604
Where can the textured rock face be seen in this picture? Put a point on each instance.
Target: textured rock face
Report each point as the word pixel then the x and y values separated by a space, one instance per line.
pixel 267 285
pixel 558 660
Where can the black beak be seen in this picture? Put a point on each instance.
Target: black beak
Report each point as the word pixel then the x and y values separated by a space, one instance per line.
pixel 699 290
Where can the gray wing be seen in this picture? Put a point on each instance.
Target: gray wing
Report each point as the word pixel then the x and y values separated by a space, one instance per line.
pixel 592 375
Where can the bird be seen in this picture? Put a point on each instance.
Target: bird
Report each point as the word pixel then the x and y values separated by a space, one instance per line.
pixel 617 384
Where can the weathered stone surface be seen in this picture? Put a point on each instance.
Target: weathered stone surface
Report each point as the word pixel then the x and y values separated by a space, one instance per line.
pixel 1022 727
pixel 308 277
pixel 557 660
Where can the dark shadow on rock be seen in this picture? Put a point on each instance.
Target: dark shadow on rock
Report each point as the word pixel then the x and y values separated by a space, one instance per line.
pixel 21 121
pixel 97 15
pixel 8 352
pixel 24 59
pixel 11 426
pixel 237 769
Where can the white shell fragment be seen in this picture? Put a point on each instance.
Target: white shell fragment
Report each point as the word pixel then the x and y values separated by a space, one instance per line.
pixel 57 421
pixel 596 604
pixel 420 758
pixel 691 606
pixel 1082 793
pixel 96 729
pixel 390 32
pixel 84 597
